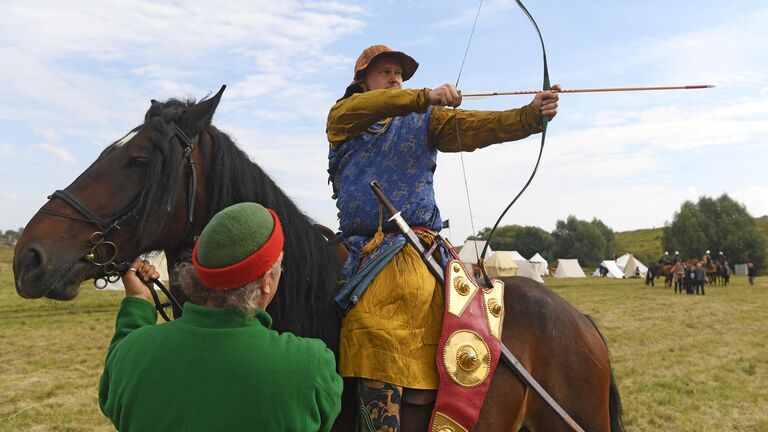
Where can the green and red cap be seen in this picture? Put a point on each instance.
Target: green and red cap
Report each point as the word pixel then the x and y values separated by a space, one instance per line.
pixel 238 246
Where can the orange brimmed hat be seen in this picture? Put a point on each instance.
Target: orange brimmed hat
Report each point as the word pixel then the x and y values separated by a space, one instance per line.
pixel 372 53
pixel 239 245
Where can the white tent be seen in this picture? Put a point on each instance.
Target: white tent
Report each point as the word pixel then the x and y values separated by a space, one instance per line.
pixel 501 263
pixel 158 260
pixel 540 264
pixel 471 251
pixel 628 263
pixel 740 269
pixel 516 256
pixel 613 270
pixel 527 269
pixel 568 268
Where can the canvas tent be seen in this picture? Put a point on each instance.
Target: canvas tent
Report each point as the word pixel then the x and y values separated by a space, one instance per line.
pixel 740 269
pixel 500 264
pixel 628 263
pixel 470 252
pixel 540 264
pixel 496 263
pixel 526 269
pixel 613 270
pixel 158 260
pixel 569 268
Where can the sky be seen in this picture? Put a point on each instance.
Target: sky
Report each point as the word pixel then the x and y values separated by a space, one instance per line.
pixel 78 77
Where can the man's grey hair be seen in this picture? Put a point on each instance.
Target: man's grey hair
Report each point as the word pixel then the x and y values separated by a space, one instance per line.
pixel 242 299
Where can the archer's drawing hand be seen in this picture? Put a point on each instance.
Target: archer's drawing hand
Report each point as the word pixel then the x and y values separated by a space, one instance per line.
pixel 546 102
pixel 141 271
pixel 445 95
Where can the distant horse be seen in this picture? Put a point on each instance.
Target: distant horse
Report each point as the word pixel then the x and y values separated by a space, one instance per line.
pixel 711 271
pixel 162 182
pixel 723 273
pixel 655 270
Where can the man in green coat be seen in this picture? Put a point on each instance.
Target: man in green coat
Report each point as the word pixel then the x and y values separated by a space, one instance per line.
pixel 219 367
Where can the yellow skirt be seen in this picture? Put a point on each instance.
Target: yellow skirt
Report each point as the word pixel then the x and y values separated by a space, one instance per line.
pixel 391 334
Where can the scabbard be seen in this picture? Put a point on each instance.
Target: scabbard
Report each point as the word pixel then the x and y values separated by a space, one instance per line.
pixel 411 237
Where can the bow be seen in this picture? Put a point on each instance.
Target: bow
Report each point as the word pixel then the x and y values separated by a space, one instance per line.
pixel 544 122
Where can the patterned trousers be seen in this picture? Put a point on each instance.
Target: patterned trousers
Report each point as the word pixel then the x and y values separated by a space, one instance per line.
pixel 379 406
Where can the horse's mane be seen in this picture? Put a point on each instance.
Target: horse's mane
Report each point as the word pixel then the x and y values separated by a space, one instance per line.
pixel 304 302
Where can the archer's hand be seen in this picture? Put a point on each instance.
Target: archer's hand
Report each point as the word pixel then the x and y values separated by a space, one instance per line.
pixel 141 270
pixel 546 102
pixel 445 95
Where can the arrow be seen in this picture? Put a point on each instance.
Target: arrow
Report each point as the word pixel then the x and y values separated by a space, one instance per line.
pixel 589 90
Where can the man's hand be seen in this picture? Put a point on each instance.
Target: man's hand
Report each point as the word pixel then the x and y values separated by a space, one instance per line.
pixel 445 95
pixel 546 102
pixel 141 270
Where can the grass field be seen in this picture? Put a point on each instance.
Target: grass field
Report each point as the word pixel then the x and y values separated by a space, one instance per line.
pixel 682 363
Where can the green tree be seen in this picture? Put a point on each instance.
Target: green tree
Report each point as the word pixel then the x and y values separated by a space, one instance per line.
pixel 503 238
pixel 579 239
pixel 527 240
pixel 720 224
pixel 608 235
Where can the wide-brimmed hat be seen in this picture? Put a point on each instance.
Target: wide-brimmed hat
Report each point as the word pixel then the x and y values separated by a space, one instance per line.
pixel 372 53
pixel 238 246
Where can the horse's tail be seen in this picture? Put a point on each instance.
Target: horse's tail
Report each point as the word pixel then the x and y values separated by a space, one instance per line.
pixel 614 399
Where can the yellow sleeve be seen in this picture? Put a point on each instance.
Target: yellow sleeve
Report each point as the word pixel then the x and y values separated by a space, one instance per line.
pixel 353 115
pixel 478 129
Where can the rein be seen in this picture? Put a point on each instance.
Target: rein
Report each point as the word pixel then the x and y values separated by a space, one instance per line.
pixel 110 270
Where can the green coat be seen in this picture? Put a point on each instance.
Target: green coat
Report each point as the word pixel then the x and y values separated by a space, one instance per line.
pixel 214 370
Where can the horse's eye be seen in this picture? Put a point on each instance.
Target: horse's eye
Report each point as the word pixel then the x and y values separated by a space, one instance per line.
pixel 140 162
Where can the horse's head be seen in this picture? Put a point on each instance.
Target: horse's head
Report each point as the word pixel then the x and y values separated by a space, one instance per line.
pixel 129 201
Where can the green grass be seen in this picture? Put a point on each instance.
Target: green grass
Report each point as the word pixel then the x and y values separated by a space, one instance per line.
pixel 682 363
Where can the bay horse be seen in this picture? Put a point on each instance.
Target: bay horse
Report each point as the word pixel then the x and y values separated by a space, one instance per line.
pixel 655 270
pixel 167 177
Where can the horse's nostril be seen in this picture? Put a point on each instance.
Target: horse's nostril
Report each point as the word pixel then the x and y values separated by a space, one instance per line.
pixel 31 258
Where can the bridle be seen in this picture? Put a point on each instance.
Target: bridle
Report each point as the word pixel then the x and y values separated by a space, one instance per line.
pixel 110 270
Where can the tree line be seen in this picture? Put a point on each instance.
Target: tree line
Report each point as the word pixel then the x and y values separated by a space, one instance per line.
pixel 715 224
pixel 10 236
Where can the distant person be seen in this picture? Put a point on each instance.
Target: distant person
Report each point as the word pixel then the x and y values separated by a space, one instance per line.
pixel 751 272
pixel 665 259
pixel 700 278
pixel 676 258
pixel 603 270
pixel 707 259
pixel 219 367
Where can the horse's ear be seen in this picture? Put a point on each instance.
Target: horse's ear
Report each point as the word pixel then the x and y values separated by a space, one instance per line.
pixel 196 118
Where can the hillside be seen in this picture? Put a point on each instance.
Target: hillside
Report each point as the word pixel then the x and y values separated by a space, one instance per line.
pixel 645 244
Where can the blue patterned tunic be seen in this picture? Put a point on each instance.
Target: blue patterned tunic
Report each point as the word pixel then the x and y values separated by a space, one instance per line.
pixel 399 157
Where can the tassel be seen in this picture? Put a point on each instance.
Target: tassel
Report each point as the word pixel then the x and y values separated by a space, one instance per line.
pixel 377 238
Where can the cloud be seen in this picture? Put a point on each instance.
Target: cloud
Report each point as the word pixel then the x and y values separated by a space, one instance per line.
pixel 729 54
pixel 59 152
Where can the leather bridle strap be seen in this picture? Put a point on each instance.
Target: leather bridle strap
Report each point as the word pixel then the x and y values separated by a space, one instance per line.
pixel 104 225
pixel 109 269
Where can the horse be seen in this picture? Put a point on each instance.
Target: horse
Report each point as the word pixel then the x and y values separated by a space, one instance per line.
pixel 655 270
pixel 723 273
pixel 167 177
pixel 710 269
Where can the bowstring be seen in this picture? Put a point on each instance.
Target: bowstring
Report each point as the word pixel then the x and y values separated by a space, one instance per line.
pixel 458 134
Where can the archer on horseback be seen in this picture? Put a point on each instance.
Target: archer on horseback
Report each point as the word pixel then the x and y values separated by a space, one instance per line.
pixel 379 131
